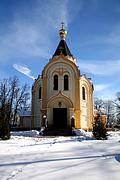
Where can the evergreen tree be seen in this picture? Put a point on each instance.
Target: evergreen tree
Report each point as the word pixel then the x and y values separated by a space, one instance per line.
pixel 99 130
pixel 4 122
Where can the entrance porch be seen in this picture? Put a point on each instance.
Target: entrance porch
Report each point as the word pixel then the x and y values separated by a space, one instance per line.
pixel 60 118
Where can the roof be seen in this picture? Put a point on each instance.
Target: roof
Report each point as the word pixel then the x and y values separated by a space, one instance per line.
pixel 62 49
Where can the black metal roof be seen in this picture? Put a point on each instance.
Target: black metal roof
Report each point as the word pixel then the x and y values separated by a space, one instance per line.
pixel 62 49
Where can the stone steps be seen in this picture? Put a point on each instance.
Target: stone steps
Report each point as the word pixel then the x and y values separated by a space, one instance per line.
pixel 58 132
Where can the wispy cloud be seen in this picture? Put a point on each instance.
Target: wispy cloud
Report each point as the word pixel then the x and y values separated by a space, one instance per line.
pixel 104 91
pixel 105 94
pixel 101 87
pixel 24 70
pixel 101 67
pixel 31 31
pixel 112 38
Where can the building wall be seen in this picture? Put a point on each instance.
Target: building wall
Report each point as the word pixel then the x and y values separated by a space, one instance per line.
pixel 36 104
pixel 25 122
pixel 86 104
pixel 71 99
pixel 59 66
pixel 62 66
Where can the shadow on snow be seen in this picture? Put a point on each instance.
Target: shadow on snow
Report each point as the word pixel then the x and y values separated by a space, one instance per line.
pixel 117 157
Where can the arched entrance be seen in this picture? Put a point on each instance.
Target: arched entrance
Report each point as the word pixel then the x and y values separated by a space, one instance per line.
pixel 59 117
pixel 59 111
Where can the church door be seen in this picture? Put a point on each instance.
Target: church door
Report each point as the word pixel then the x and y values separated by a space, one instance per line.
pixel 60 117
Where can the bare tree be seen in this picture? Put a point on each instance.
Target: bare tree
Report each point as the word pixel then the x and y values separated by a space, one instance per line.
pixel 13 86
pixel 110 113
pixel 117 106
pixel 13 97
pixel 98 104
pixel 107 107
pixel 21 98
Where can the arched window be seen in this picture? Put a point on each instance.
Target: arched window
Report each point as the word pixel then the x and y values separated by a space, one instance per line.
pixel 83 93
pixel 55 83
pixel 66 82
pixel 40 91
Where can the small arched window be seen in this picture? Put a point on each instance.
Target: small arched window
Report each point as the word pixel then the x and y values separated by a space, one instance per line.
pixel 55 83
pixel 66 82
pixel 83 93
pixel 40 91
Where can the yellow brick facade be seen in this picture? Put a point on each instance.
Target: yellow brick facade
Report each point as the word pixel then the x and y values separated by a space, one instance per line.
pixel 72 102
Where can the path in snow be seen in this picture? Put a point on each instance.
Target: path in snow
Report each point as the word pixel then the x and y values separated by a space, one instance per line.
pixel 59 158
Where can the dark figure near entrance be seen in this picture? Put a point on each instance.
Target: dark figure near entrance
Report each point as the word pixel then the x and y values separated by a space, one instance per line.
pixel 45 122
pixel 72 121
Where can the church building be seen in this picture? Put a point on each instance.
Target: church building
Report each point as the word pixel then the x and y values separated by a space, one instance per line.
pixel 61 93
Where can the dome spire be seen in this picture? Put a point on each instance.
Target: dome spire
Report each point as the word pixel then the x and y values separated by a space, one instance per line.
pixel 62 46
pixel 62 32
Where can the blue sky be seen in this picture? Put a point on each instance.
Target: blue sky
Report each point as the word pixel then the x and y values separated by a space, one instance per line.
pixel 29 36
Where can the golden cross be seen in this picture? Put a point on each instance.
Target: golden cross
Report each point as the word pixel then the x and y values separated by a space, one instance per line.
pixel 62 25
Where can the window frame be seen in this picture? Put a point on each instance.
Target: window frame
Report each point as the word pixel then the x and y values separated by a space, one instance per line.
pixel 40 93
pixel 55 82
pixel 66 82
pixel 83 93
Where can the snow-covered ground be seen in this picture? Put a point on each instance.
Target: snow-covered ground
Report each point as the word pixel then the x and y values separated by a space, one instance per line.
pixel 28 156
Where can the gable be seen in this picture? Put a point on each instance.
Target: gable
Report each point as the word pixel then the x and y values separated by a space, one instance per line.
pixel 61 64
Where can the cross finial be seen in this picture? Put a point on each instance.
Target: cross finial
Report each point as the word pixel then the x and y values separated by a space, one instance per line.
pixel 62 23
